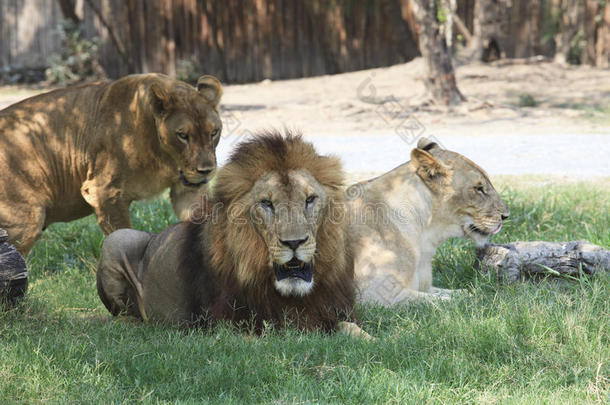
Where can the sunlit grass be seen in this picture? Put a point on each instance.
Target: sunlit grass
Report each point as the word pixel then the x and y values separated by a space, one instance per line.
pixel 538 343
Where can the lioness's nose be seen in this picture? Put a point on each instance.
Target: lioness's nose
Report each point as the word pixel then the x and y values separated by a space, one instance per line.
pixel 205 170
pixel 505 216
pixel 294 244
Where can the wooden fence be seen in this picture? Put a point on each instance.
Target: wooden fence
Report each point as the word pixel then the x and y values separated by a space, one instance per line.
pixel 250 40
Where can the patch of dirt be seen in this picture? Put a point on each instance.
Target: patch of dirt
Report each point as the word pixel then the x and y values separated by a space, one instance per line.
pixel 567 100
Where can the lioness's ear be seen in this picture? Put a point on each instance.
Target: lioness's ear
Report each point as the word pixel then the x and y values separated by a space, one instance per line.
pixel 160 99
pixel 426 144
pixel 427 167
pixel 210 88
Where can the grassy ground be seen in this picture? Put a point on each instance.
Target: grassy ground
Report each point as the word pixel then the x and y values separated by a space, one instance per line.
pixel 523 343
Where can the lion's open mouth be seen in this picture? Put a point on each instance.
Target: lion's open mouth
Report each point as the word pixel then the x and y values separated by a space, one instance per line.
pixel 188 183
pixel 294 268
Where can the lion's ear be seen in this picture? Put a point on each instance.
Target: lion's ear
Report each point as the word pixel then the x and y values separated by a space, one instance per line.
pixel 210 88
pixel 429 168
pixel 160 99
pixel 426 144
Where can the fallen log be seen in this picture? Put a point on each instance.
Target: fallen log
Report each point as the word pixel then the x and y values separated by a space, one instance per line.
pixel 524 260
pixel 13 272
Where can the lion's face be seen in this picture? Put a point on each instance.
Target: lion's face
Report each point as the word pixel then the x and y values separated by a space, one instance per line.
pixel 287 212
pixel 189 126
pixel 469 204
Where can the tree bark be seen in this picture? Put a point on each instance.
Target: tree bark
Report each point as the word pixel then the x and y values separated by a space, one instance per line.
pixel 13 272
pixel 602 46
pixel 440 77
pixel 68 11
pixel 523 260
pixel 570 14
pixel 114 37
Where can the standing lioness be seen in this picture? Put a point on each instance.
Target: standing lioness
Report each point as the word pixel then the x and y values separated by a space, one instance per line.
pixel 400 218
pixel 98 147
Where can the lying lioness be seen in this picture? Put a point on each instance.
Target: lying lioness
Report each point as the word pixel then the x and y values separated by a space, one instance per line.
pixel 400 218
pixel 269 253
pixel 98 147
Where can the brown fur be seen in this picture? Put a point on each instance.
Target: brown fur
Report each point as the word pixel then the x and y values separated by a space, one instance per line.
pixel 400 218
pixel 98 147
pixel 221 269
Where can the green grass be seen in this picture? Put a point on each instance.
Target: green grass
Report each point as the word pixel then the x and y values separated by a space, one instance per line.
pixel 520 343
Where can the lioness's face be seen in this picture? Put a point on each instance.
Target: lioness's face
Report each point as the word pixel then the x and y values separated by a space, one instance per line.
pixel 286 212
pixel 475 201
pixel 467 203
pixel 189 126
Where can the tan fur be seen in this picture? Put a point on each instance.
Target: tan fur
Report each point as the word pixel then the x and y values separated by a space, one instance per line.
pixel 223 269
pixel 400 218
pixel 98 147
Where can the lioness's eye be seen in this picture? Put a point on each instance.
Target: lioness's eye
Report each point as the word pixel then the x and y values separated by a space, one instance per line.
pixel 182 136
pixel 215 132
pixel 267 204
pixel 310 200
pixel 480 189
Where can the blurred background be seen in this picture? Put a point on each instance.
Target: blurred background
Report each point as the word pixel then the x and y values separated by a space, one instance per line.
pixel 252 40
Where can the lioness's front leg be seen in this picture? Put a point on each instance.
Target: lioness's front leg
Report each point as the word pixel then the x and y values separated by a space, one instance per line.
pixel 112 212
pixel 109 204
pixel 190 203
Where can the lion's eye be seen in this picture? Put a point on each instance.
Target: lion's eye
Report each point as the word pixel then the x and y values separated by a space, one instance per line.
pixel 267 204
pixel 215 132
pixel 182 136
pixel 480 189
pixel 310 200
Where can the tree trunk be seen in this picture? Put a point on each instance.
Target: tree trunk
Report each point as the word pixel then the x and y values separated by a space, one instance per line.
pixel 68 11
pixel 450 9
pixel 440 80
pixel 114 36
pixel 13 273
pixel 523 260
pixel 570 14
pixel 602 47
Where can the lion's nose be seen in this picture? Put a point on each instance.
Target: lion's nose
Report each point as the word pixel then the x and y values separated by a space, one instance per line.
pixel 294 244
pixel 504 216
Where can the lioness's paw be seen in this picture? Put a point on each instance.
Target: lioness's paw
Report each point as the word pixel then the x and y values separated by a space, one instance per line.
pixel 351 329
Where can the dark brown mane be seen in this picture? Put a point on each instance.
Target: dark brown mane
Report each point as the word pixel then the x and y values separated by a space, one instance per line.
pixel 239 256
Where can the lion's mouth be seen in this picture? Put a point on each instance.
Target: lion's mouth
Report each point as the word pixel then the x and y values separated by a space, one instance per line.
pixel 294 268
pixel 188 183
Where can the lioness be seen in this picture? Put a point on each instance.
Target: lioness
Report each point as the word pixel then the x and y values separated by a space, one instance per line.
pixel 269 253
pixel 400 218
pixel 98 147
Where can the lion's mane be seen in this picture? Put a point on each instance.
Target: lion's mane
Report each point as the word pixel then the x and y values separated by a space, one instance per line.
pixel 240 257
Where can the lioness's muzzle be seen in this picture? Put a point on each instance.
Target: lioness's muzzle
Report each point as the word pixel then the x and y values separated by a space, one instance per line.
pixel 294 268
pixel 190 184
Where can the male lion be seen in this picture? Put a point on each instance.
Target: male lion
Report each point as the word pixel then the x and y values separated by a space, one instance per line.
pixel 98 147
pixel 400 218
pixel 275 248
